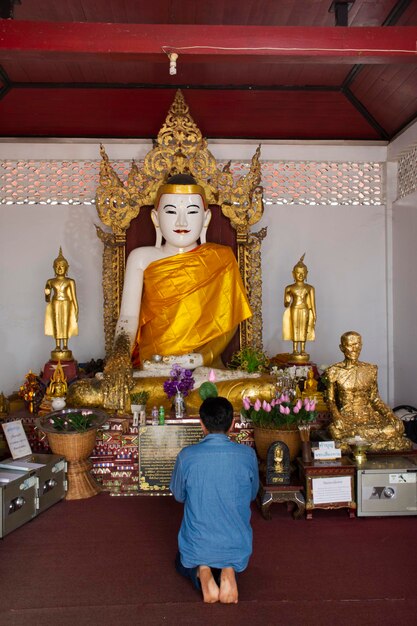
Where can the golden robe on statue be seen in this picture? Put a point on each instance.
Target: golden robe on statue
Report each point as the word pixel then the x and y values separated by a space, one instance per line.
pixel 298 324
pixel 353 392
pixel 189 300
pixel 60 314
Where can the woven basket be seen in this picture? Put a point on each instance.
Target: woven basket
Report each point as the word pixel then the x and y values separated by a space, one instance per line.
pixel 265 436
pixel 73 446
pixel 76 448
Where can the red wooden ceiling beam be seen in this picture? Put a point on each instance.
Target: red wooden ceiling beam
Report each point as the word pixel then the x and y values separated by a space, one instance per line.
pixel 193 42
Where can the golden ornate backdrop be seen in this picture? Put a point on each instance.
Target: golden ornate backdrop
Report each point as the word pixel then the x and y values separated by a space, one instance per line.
pixel 180 148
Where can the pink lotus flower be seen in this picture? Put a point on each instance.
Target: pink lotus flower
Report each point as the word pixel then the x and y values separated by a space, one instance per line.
pixel 266 406
pixel 296 409
pixel 246 403
pixel 285 410
pixel 309 405
pixel 257 404
pixel 212 376
pixel 298 404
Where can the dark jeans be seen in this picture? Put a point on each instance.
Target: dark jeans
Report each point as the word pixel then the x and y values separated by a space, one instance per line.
pixel 191 572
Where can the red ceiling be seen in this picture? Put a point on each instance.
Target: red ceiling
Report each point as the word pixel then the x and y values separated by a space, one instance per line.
pixel 249 69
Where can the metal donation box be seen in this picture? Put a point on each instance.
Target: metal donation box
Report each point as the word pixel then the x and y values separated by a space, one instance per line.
pixel 17 499
pixel 387 486
pixel 29 486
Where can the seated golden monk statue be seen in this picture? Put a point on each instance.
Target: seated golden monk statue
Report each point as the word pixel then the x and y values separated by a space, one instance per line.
pixel 182 302
pixel 355 405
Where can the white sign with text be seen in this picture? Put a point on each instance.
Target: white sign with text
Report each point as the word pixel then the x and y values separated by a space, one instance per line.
pixel 16 439
pixel 332 489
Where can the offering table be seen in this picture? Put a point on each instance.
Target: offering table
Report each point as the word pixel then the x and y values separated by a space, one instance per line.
pixel 329 484
pixel 288 494
pixel 129 460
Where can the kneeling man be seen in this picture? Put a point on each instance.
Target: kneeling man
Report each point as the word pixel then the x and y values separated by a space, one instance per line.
pixel 216 480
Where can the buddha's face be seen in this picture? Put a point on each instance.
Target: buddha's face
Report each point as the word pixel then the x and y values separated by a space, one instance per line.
pixel 351 347
pixel 60 267
pixel 300 274
pixel 181 218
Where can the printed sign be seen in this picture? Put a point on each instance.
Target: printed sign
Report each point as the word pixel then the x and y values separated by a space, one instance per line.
pixel 16 439
pixel 332 489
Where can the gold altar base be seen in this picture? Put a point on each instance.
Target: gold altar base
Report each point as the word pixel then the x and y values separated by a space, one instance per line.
pixel 63 355
pixel 89 392
pixel 296 359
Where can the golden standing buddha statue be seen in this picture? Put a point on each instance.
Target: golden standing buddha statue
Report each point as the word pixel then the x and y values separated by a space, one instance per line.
pixel 61 315
pixel 355 405
pixel 300 313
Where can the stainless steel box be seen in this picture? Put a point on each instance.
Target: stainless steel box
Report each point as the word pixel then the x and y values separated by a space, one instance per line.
pixel 387 486
pixel 50 474
pixel 18 494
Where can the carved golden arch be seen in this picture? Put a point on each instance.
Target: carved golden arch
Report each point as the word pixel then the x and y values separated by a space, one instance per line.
pixel 180 148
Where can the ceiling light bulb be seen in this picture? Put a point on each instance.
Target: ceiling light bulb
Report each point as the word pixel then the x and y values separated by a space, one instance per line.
pixel 173 56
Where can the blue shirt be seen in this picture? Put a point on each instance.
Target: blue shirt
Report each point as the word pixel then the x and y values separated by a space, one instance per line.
pixel 216 479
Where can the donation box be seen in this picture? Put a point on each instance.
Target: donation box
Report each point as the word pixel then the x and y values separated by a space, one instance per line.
pixel 18 494
pixel 387 486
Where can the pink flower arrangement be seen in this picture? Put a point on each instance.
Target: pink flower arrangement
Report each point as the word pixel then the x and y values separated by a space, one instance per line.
pixel 280 412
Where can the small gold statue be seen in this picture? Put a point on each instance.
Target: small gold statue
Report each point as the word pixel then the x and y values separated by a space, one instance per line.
pixel 300 313
pixel 58 385
pixel 61 316
pixel 355 405
pixel 278 459
pixel 311 391
pixel 31 392
pixel 311 384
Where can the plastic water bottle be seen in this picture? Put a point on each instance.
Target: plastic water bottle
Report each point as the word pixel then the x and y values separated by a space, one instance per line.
pixel 155 416
pixel 179 405
pixel 161 416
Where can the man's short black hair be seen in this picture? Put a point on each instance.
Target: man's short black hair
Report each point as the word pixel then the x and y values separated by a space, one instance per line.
pixel 216 414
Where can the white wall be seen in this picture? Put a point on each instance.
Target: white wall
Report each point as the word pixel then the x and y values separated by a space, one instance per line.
pixel 345 256
pixel 30 237
pixel 405 300
pixel 404 263
pixel 345 253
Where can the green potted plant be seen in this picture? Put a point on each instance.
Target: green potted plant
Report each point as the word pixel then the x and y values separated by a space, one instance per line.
pixel 278 420
pixel 139 399
pixel 72 434
pixel 250 360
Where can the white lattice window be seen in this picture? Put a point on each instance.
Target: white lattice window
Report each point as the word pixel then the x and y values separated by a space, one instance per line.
pixel 407 173
pixel 284 182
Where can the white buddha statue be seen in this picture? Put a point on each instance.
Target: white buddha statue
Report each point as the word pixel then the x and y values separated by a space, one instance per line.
pixel 182 299
pixel 182 302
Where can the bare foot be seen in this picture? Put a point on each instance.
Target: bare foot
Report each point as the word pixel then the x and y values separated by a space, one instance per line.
pixel 208 584
pixel 228 586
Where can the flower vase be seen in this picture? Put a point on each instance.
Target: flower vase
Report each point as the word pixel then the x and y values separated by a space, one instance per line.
pixel 306 451
pixel 305 442
pixel 179 408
